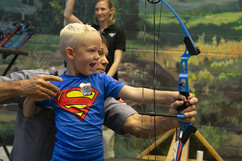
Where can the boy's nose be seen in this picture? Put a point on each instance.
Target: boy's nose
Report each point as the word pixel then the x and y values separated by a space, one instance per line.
pixel 97 56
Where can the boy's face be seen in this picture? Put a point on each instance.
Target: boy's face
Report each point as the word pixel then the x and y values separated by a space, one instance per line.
pixel 102 63
pixel 86 56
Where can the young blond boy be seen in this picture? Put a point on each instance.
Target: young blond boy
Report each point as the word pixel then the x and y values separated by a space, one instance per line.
pixel 79 105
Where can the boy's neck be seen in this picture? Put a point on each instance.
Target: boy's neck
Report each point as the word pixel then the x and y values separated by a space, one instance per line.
pixel 70 71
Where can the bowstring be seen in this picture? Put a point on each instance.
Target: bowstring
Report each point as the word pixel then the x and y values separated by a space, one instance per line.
pixel 143 79
pixel 155 71
pixel 156 52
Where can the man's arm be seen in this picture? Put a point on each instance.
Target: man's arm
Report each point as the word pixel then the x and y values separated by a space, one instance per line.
pixel 143 125
pixel 116 113
pixel 12 87
pixel 39 86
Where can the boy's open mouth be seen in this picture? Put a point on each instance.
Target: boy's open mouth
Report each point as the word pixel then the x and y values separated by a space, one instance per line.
pixel 92 64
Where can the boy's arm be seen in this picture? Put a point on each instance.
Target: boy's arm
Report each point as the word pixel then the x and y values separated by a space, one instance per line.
pixel 47 89
pixel 145 126
pixel 68 13
pixel 29 107
pixel 147 95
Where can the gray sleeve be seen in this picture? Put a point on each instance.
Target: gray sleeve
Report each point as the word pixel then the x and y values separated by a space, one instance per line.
pixel 116 114
pixel 20 75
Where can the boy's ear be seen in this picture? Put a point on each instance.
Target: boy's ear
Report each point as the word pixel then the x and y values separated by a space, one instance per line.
pixel 70 53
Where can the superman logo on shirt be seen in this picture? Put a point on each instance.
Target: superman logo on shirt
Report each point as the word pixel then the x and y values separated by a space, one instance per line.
pixel 73 100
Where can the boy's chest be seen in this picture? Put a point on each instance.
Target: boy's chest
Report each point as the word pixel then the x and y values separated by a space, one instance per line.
pixel 80 99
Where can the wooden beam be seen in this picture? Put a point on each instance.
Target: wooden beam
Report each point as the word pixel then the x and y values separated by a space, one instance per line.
pixel 153 146
pixel 185 151
pixel 170 154
pixel 154 157
pixel 208 146
pixel 13 51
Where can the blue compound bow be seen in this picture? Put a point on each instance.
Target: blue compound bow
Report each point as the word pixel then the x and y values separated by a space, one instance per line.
pixel 186 129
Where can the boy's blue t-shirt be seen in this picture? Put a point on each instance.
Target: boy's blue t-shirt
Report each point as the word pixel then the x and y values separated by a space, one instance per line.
pixel 79 117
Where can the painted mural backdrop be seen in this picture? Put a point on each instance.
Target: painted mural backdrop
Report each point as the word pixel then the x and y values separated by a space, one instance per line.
pixel 214 75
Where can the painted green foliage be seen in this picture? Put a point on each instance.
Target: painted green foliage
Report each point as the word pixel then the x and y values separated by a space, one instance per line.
pixel 214 76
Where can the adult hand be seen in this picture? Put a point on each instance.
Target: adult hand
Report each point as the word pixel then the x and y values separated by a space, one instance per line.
pixel 39 87
pixel 190 112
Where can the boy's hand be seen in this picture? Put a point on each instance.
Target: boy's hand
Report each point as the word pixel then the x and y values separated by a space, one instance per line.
pixel 39 87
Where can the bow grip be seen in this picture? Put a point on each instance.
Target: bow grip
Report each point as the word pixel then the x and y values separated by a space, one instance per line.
pixel 183 106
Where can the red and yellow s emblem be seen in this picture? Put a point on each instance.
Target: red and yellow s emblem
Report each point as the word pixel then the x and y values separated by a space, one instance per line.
pixel 73 100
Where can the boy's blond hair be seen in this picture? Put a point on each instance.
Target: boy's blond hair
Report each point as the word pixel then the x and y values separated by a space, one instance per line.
pixel 73 35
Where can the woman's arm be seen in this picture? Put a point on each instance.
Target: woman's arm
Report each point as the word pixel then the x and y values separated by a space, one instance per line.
pixel 116 63
pixel 68 13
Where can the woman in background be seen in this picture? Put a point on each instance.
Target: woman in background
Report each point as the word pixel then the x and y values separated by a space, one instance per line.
pixel 104 19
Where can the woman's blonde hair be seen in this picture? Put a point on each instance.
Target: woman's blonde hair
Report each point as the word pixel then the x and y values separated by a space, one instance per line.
pixel 111 19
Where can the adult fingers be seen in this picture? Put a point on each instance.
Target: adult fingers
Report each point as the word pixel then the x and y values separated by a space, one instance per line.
pixel 41 87
pixel 174 106
pixel 190 114
pixel 193 101
pixel 50 78
pixel 188 120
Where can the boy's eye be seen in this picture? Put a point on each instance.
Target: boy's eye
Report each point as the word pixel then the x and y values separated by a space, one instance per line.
pixel 91 50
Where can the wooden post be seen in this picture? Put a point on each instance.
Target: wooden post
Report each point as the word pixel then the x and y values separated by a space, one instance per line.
pixel 208 146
